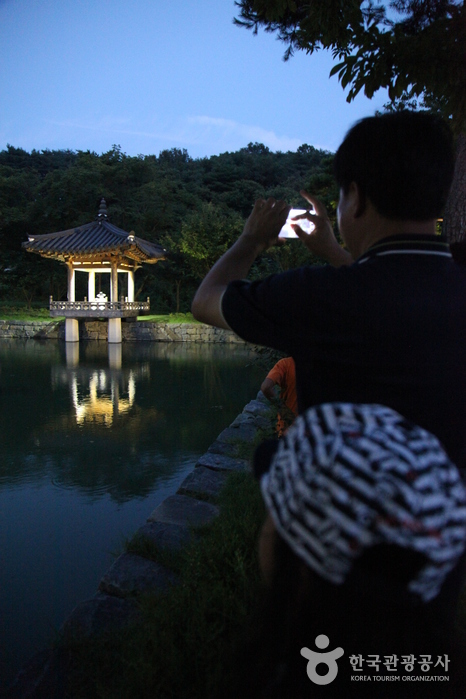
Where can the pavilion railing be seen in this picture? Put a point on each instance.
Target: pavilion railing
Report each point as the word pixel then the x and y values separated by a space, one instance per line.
pixel 99 305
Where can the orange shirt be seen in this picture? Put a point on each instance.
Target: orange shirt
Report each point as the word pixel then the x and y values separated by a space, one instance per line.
pixel 284 375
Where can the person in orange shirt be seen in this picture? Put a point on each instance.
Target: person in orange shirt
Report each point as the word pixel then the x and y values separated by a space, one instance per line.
pixel 282 375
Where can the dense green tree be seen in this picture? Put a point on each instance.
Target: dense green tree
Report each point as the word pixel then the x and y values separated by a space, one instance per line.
pixel 205 235
pixel 18 189
pixel 414 48
pixel 30 279
pixel 194 208
pixel 69 195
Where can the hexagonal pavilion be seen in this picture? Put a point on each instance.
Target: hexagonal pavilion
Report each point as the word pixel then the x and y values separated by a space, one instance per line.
pixel 98 247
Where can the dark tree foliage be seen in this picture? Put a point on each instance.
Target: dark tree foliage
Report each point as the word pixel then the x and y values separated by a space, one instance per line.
pixel 416 45
pixel 194 207
pixel 414 48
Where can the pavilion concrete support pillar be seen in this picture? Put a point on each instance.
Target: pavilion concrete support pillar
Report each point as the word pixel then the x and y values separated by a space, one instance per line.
pixel 91 286
pixel 71 330
pixel 114 329
pixel 131 285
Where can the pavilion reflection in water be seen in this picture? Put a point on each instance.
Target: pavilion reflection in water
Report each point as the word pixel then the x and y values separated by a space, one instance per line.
pixel 99 395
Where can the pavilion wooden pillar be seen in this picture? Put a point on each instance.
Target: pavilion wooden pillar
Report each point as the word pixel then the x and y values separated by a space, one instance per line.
pixel 131 285
pixel 71 282
pixel 114 282
pixel 91 286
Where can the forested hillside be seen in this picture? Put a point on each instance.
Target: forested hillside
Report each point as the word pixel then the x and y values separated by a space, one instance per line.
pixel 194 207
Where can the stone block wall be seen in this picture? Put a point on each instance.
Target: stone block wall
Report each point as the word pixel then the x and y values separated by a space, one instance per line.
pixel 131 331
pixel 37 329
pixel 175 332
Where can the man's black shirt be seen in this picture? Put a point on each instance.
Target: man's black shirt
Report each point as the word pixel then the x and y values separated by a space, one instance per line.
pixel 388 329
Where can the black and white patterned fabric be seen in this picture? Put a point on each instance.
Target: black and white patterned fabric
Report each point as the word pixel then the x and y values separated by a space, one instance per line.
pixel 347 477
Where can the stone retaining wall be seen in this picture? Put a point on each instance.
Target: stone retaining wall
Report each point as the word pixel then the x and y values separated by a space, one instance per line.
pixel 38 329
pixel 170 527
pixel 131 331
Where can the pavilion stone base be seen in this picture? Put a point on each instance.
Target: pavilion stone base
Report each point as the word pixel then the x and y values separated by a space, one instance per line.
pixel 71 330
pixel 114 329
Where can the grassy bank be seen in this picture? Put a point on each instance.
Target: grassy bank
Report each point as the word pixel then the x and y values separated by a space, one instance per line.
pixel 15 310
pixel 183 647
pixel 170 318
pixel 184 644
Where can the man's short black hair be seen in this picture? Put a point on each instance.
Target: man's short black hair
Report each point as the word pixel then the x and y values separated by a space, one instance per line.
pixel 403 163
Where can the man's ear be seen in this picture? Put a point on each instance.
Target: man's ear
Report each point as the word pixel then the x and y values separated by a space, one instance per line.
pixel 359 200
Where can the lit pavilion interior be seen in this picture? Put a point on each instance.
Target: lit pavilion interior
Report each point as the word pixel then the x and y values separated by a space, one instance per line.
pixel 98 247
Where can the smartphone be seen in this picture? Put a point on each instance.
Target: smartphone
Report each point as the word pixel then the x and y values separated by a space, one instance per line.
pixel 307 226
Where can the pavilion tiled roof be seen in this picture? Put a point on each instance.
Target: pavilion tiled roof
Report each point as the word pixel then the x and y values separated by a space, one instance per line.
pixel 94 239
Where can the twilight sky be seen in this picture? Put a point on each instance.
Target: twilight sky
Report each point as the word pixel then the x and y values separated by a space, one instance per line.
pixel 156 74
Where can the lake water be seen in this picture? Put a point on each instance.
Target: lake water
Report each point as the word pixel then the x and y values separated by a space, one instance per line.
pixel 93 437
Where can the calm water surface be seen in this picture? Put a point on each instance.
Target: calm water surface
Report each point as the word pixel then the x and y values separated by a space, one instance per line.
pixel 93 437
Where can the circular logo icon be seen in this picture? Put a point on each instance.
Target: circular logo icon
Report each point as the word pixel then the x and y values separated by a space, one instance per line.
pixel 329 658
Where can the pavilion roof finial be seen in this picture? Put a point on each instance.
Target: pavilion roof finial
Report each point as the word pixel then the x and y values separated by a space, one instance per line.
pixel 102 215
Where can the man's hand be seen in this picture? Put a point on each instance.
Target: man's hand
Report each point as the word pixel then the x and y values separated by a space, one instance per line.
pixel 260 232
pixel 265 223
pixel 321 241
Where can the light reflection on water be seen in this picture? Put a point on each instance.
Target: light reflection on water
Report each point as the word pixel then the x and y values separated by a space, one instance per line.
pixel 93 437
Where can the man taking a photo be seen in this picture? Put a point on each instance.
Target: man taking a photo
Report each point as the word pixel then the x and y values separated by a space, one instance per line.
pixel 385 321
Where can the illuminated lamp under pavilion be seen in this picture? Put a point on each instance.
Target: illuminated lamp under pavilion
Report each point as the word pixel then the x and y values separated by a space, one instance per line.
pixel 97 248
